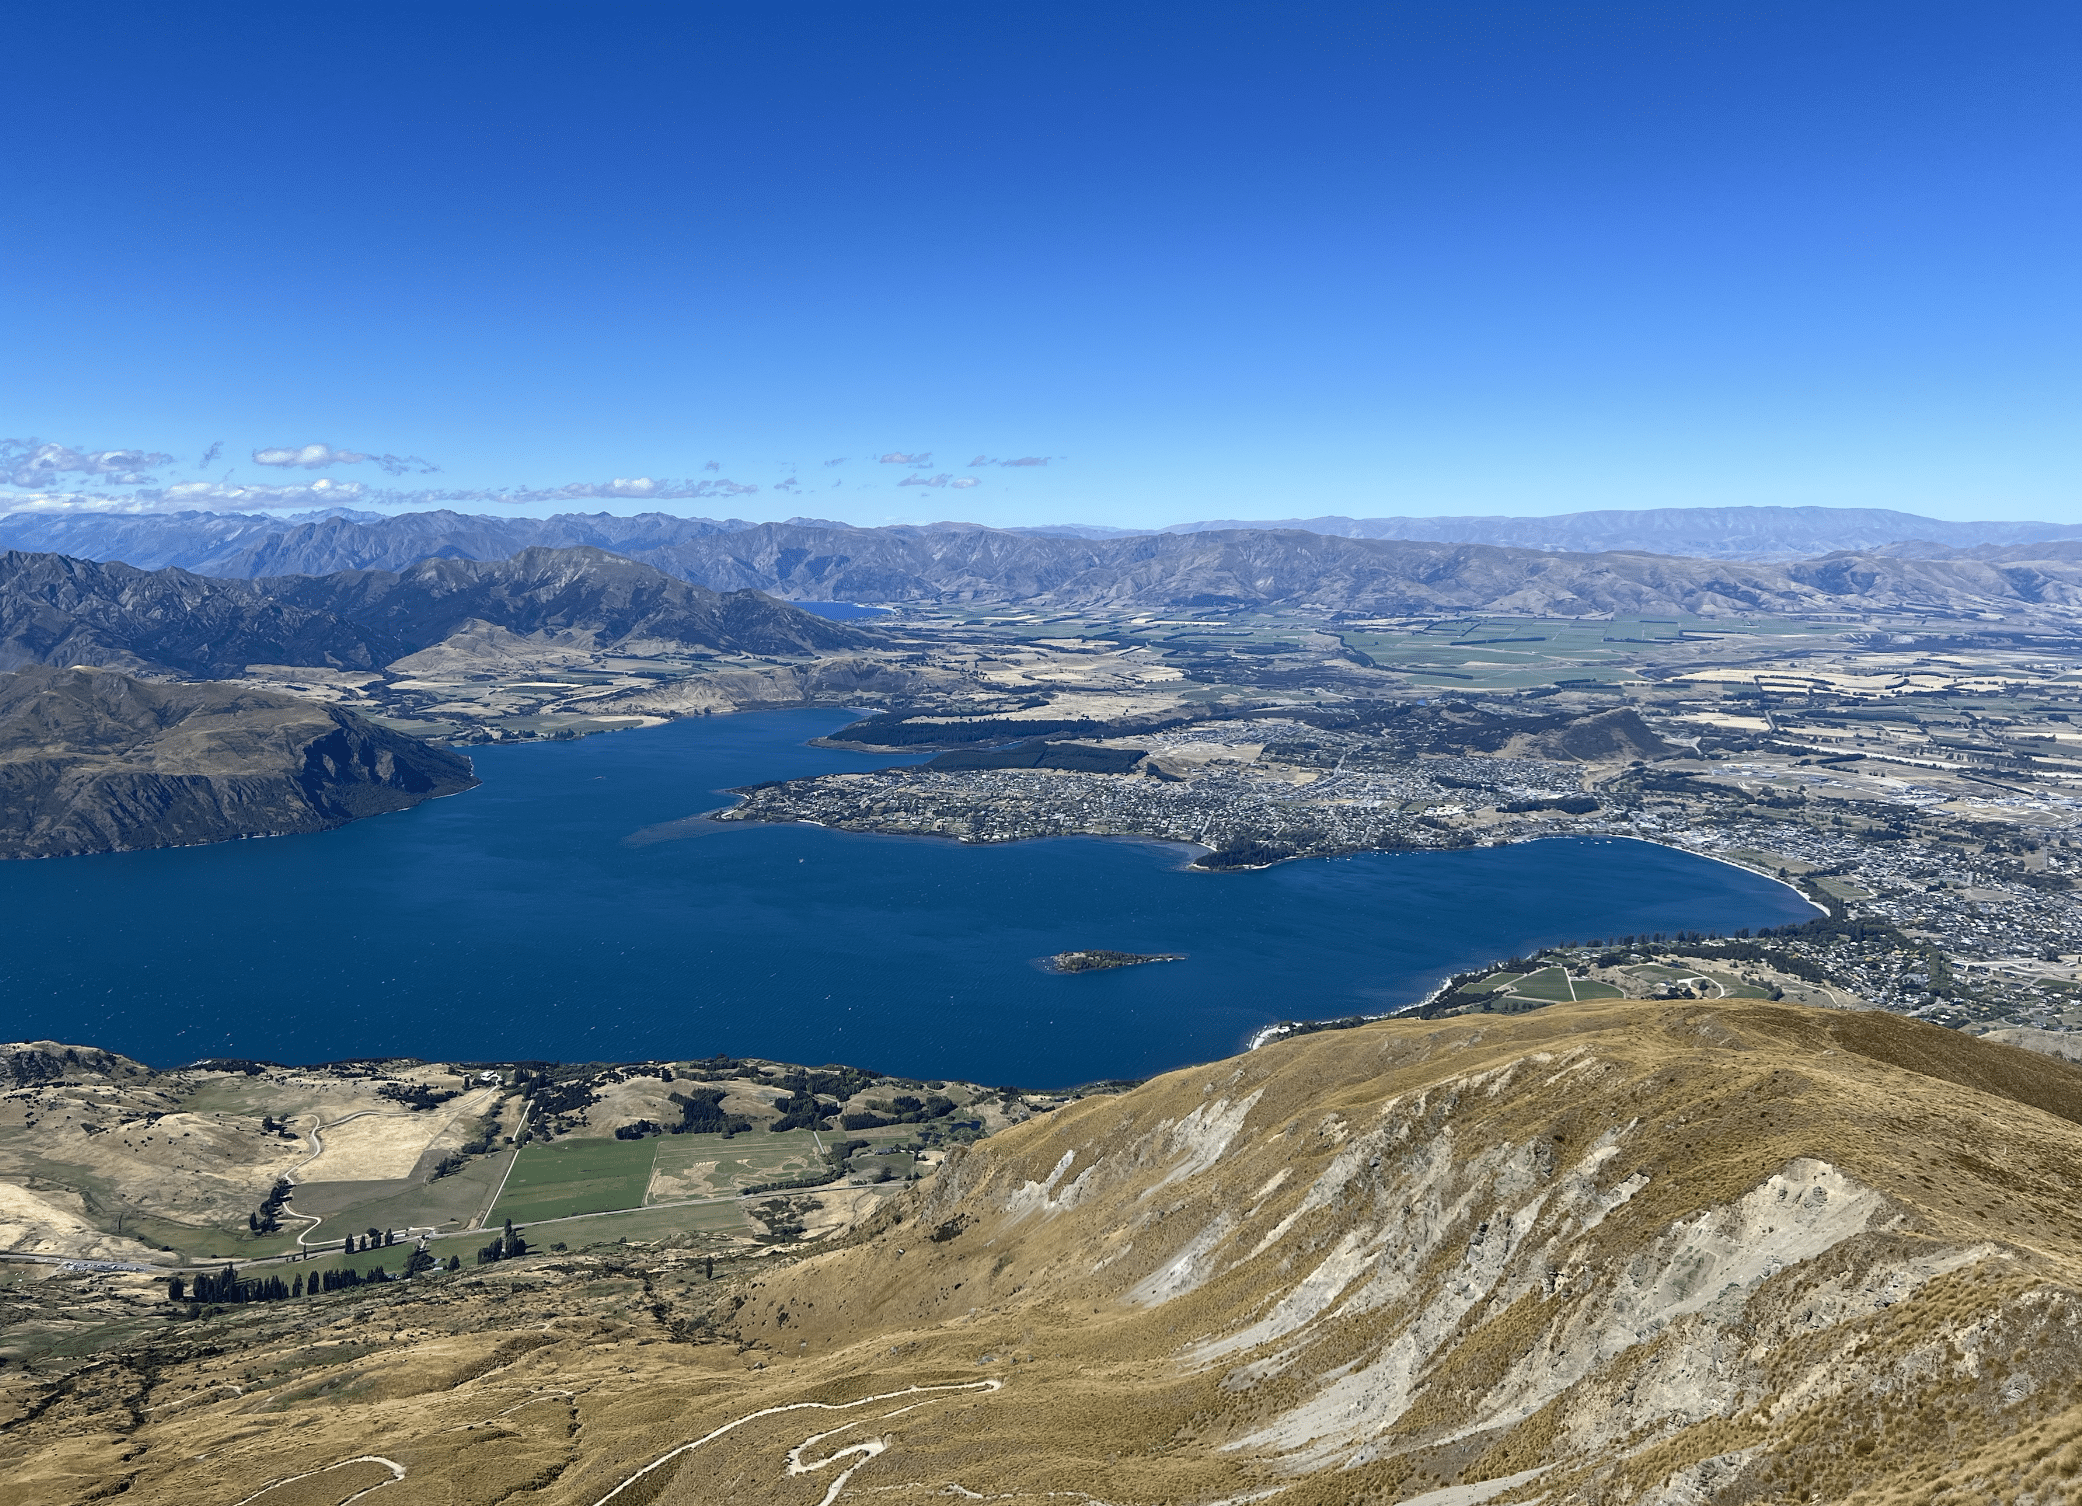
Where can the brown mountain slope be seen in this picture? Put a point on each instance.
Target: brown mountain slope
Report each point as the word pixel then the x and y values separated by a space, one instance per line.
pixel 1604 1253
pixel 95 761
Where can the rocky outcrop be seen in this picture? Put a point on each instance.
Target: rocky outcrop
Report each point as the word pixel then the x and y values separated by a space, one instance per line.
pixel 93 760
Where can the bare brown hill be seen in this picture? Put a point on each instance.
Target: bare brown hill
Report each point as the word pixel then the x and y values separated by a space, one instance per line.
pixel 1626 1252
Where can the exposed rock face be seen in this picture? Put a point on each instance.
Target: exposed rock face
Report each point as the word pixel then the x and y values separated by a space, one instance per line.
pixel 59 610
pixel 1613 1253
pixel 96 761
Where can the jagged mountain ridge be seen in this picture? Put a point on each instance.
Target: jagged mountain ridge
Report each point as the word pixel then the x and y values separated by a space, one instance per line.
pixel 59 610
pixel 92 760
pixel 1238 568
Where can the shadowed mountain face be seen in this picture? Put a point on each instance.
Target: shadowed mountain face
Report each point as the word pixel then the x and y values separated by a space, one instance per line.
pixel 58 610
pixel 95 761
pixel 1622 1254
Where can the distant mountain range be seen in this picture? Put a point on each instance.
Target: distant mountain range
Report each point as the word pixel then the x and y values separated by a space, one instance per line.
pixel 59 610
pixel 94 761
pixel 243 546
pixel 719 591
pixel 1742 533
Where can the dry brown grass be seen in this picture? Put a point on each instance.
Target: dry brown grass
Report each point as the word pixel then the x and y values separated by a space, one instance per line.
pixel 1550 1215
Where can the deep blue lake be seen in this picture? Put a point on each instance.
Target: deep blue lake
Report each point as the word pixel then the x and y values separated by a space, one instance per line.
pixel 545 915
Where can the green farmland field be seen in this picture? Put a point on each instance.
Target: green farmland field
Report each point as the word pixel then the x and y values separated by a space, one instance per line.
pixel 577 1176
pixel 1549 983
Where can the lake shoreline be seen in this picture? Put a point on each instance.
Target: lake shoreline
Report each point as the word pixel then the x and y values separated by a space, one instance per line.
pixel 560 914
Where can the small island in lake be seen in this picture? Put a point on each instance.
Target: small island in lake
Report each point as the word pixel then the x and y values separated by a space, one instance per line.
pixel 1094 962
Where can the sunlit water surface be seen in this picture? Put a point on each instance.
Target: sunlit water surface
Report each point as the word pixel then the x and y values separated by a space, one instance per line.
pixel 565 910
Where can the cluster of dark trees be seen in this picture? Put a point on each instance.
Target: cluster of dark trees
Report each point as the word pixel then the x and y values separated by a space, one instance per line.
pixel 701 1113
pixel 895 729
pixel 340 1281
pixel 372 1239
pixel 229 1288
pixel 233 1064
pixel 805 1106
pixel 416 1095
pixel 267 1218
pixel 547 1095
pixel 905 1108
pixel 505 1247
pixel 1568 805
pixel 802 1109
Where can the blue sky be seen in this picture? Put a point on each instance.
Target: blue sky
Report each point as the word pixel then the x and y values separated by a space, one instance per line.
pixel 1209 260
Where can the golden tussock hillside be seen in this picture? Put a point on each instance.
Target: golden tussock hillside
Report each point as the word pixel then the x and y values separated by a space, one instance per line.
pixel 1607 1253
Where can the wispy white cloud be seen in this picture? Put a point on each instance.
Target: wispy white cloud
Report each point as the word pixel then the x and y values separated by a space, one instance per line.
pixel 898 457
pixel 634 488
pixel 209 456
pixel 1023 460
pixel 325 492
pixel 201 496
pixel 32 462
pixel 316 457
pixel 310 457
pixel 840 461
pixel 943 479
